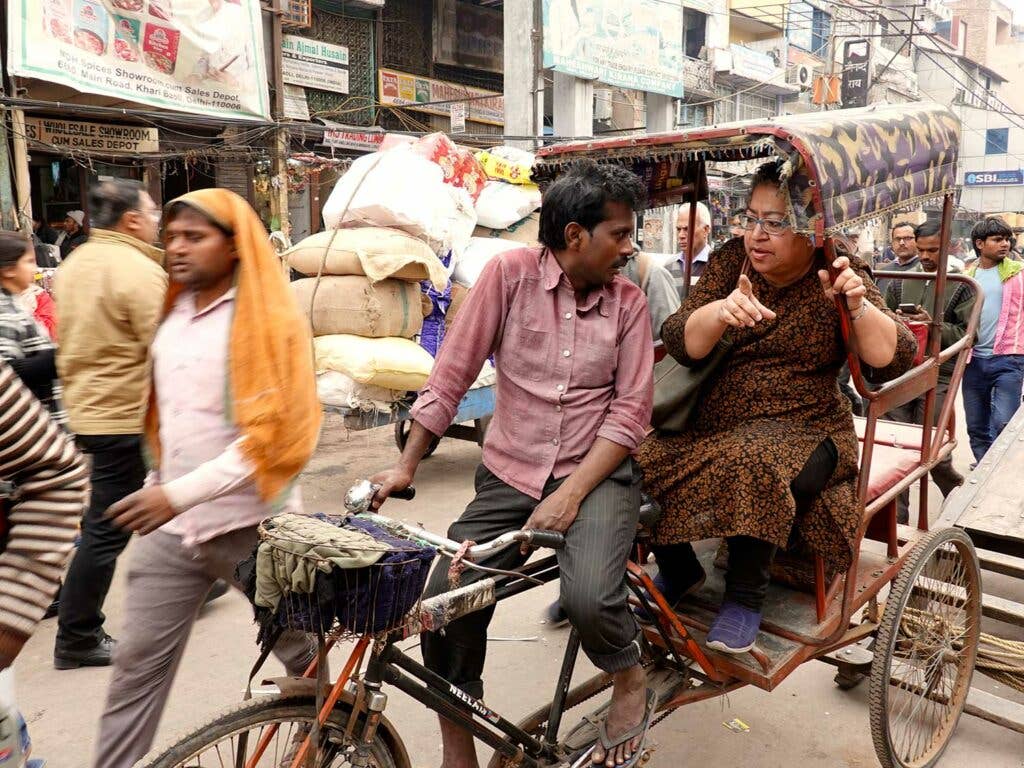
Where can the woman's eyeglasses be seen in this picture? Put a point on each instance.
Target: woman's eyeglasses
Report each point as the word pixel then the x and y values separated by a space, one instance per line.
pixel 770 226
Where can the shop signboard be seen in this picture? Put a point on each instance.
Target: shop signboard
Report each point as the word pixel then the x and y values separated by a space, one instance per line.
pixel 422 94
pixel 993 178
pixel 856 73
pixel 634 44
pixel 314 64
pixel 204 58
pixel 349 137
pixel 458 116
pixel 751 64
pixel 296 107
pixel 468 35
pixel 102 138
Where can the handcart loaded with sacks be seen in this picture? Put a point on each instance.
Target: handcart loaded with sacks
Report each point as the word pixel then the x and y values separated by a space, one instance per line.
pixel 913 591
pixel 409 228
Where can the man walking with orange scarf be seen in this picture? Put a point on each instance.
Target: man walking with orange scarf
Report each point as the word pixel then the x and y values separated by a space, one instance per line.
pixel 233 419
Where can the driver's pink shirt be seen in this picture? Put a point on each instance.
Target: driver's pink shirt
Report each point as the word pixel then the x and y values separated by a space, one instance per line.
pixel 568 372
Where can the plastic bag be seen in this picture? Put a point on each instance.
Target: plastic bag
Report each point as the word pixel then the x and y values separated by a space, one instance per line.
pixel 501 205
pixel 402 189
pixel 338 390
pixel 479 252
pixel 460 167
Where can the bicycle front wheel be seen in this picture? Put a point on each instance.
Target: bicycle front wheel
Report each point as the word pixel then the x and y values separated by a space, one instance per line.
pixel 278 725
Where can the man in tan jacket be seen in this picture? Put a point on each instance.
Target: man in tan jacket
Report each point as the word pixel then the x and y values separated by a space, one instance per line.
pixel 109 296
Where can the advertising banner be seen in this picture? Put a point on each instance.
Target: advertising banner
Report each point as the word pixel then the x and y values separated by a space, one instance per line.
pixel 435 96
pixel 634 44
pixel 201 56
pixel 313 64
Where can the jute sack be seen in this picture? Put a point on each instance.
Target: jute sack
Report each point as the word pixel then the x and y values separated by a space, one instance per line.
pixel 376 252
pixel 352 304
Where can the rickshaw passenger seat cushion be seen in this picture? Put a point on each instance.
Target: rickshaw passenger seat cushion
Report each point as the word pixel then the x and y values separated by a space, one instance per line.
pixel 889 465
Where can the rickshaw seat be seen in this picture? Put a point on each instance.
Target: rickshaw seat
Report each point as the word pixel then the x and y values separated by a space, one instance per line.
pixel 889 465
pixel 894 433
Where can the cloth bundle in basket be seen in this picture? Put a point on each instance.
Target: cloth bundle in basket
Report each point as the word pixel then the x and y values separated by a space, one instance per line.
pixel 310 573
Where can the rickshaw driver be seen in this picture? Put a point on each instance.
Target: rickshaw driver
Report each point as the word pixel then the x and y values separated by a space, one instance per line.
pixel 572 342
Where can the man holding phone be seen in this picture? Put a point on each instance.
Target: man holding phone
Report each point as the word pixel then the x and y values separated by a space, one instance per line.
pixel 914 302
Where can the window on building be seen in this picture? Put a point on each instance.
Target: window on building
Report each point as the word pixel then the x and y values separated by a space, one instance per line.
pixel 692 116
pixel 997 141
pixel 725 105
pixel 695 31
pixel 821 29
pixel 753 106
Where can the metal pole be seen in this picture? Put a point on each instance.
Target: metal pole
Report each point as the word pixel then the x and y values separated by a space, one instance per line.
pixel 280 141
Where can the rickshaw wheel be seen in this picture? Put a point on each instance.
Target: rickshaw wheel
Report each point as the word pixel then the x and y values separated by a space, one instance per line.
pixel 402 429
pixel 925 651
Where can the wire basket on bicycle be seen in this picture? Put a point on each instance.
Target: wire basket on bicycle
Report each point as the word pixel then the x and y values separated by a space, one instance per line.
pixel 319 573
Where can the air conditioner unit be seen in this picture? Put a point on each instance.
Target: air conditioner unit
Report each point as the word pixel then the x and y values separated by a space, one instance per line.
pixel 602 104
pixel 802 75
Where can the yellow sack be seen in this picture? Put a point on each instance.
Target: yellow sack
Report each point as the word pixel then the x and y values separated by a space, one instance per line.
pixel 504 170
pixel 390 363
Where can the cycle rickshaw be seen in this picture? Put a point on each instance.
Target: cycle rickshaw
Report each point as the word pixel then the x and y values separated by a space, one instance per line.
pixel 914 591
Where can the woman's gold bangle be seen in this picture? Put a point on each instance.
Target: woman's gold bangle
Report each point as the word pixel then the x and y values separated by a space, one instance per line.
pixel 862 312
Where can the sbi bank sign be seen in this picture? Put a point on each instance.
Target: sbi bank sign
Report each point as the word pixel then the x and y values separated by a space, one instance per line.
pixel 993 178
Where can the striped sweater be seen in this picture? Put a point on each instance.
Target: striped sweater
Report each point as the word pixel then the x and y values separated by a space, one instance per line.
pixel 51 484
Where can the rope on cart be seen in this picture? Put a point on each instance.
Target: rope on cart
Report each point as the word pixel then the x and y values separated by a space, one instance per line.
pixel 998 658
pixel 330 244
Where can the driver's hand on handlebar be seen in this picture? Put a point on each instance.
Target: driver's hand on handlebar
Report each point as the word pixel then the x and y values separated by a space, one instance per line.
pixel 555 513
pixel 390 481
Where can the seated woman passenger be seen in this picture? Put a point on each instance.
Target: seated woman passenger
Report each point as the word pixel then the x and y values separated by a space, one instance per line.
pixel 771 455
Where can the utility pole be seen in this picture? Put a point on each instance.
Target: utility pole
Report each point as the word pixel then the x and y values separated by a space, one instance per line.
pixel 524 83
pixel 279 142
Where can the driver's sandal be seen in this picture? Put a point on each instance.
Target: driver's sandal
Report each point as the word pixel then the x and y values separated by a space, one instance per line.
pixel 608 744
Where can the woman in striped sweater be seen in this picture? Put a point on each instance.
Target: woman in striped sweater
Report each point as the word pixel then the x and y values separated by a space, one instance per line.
pixel 45 484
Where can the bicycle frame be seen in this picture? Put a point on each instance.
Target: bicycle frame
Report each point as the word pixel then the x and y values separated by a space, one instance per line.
pixel 388 664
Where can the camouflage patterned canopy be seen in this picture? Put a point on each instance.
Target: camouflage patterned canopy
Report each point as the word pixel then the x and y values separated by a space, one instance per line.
pixel 863 163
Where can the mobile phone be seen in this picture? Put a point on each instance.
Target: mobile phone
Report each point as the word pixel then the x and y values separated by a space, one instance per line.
pixel 908 309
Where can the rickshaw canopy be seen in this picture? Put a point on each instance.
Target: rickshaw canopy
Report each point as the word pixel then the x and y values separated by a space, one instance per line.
pixel 841 167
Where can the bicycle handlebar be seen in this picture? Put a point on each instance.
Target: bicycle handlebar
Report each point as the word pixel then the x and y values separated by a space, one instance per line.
pixel 534 538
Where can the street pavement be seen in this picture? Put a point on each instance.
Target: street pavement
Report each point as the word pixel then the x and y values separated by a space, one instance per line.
pixel 806 722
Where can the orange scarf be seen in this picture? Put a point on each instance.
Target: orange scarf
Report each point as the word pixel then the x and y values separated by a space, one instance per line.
pixel 271 384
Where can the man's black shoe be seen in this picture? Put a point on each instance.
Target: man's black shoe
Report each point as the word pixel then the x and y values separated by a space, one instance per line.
pixel 100 656
pixel 54 608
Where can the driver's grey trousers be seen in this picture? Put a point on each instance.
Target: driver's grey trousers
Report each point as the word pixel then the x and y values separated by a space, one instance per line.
pixel 592 569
